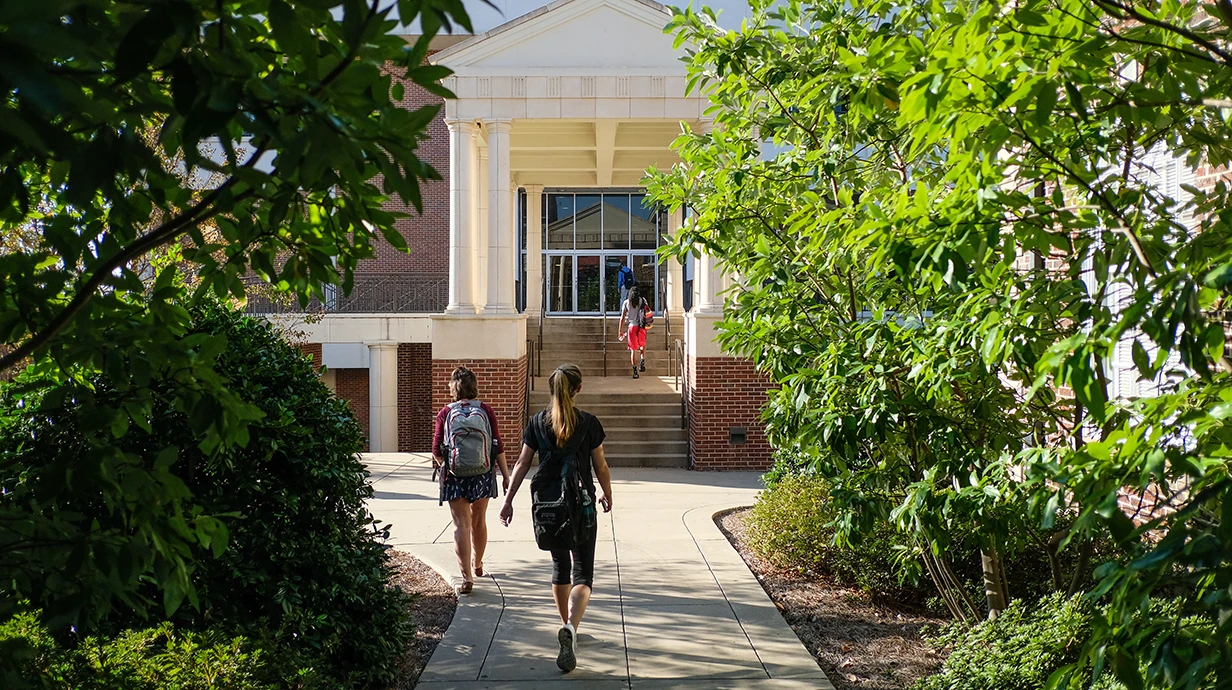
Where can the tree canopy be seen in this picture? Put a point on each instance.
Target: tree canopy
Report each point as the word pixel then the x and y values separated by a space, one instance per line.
pixel 142 141
pixel 966 240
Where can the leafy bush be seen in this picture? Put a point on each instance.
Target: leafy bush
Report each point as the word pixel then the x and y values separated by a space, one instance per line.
pixel 295 561
pixel 1018 650
pixel 304 567
pixel 159 658
pixel 789 526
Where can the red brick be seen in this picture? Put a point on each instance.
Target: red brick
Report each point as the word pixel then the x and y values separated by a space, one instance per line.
pixel 502 384
pixel 352 386
pixel 727 392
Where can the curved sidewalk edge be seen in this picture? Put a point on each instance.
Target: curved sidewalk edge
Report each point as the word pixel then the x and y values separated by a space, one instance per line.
pixel 777 645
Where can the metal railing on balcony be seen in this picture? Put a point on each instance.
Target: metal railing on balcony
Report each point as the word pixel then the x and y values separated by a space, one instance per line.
pixel 371 293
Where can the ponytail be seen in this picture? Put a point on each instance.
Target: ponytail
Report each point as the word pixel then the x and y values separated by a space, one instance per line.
pixel 563 383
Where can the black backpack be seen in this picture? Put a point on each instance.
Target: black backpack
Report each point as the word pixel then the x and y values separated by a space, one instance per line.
pixel 562 511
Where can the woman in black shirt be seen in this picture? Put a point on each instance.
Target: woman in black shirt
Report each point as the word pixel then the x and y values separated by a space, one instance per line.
pixel 572 569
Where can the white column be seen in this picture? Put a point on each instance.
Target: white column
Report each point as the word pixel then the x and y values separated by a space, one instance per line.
pixel 461 217
pixel 708 274
pixel 534 249
pixel 481 228
pixel 675 269
pixel 383 397
pixel 500 219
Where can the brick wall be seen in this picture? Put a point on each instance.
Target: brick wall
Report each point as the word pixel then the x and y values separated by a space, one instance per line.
pixel 415 411
pixel 502 384
pixel 427 234
pixel 312 350
pixel 353 388
pixel 727 392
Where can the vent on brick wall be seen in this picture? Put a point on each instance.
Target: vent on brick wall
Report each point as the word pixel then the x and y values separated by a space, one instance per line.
pixel 588 87
pixel 738 436
pixel 554 87
pixel 658 87
pixel 622 87
pixel 519 87
pixel 485 87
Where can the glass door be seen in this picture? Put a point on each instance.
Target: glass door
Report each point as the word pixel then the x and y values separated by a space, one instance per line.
pixel 589 280
pixel 588 236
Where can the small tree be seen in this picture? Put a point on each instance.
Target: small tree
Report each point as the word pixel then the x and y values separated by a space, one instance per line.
pixel 984 181
pixel 109 111
pixel 294 558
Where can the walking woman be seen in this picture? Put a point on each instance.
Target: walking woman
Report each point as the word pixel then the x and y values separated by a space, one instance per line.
pixel 562 430
pixel 464 444
pixel 633 312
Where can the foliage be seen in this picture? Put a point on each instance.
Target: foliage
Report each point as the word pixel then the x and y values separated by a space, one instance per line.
pixel 159 658
pixel 966 215
pixel 1019 650
pixel 103 101
pixel 790 526
pixel 296 563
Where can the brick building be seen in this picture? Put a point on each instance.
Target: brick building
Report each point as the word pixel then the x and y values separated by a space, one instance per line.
pixel 559 111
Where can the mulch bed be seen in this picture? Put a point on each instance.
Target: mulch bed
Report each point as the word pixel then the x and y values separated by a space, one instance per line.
pixel 432 610
pixel 860 644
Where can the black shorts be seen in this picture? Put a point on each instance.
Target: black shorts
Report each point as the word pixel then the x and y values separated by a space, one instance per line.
pixel 576 566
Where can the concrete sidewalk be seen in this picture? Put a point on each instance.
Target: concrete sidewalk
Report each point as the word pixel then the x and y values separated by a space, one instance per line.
pixel 674 606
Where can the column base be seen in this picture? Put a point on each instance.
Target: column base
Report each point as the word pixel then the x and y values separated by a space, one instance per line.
pixel 460 309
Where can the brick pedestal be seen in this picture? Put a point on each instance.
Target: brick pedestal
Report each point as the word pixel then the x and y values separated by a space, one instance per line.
pixel 727 393
pixel 502 384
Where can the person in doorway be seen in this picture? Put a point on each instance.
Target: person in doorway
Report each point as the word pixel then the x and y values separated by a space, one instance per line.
pixel 563 433
pixel 625 279
pixel 633 313
pixel 467 451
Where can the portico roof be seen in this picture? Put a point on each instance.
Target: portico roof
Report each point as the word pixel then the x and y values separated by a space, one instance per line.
pixel 598 36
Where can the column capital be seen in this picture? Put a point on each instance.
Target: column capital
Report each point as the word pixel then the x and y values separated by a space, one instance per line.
pixel 533 188
pixel 382 345
pixel 464 126
pixel 503 125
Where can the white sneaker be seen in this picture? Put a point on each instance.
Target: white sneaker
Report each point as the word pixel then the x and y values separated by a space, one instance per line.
pixel 566 660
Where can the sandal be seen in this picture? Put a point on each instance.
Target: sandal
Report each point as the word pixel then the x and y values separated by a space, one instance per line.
pixel 466 587
pixel 479 571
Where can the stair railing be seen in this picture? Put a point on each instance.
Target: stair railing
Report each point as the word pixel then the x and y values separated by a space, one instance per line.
pixel 667 320
pixel 530 382
pixel 603 317
pixel 539 347
pixel 682 382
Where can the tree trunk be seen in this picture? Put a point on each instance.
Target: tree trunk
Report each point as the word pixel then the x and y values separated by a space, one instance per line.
pixel 994 581
pixel 1080 568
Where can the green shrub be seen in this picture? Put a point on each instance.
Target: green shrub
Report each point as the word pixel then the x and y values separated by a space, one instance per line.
pixel 296 561
pixel 159 658
pixel 1018 650
pixel 788 526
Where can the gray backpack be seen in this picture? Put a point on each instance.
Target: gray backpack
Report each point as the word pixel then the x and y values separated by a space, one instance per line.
pixel 468 439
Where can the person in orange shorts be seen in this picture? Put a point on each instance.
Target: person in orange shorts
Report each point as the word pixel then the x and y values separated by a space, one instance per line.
pixel 633 312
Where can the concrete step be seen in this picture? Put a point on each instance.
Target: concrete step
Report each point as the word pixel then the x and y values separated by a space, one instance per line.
pixel 620 403
pixel 643 434
pixel 647 422
pixel 615 446
pixel 612 412
pixel 672 460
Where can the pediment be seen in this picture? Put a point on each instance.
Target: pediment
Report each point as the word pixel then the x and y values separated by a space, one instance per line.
pixel 594 36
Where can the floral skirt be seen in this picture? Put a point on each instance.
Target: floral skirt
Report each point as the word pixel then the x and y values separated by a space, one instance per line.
pixel 470 488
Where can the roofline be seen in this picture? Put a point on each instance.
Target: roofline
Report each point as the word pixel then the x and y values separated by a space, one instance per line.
pixel 476 39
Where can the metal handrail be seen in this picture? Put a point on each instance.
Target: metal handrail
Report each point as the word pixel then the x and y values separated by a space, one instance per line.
pixel 539 347
pixel 604 318
pixel 682 381
pixel 530 382
pixel 667 319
